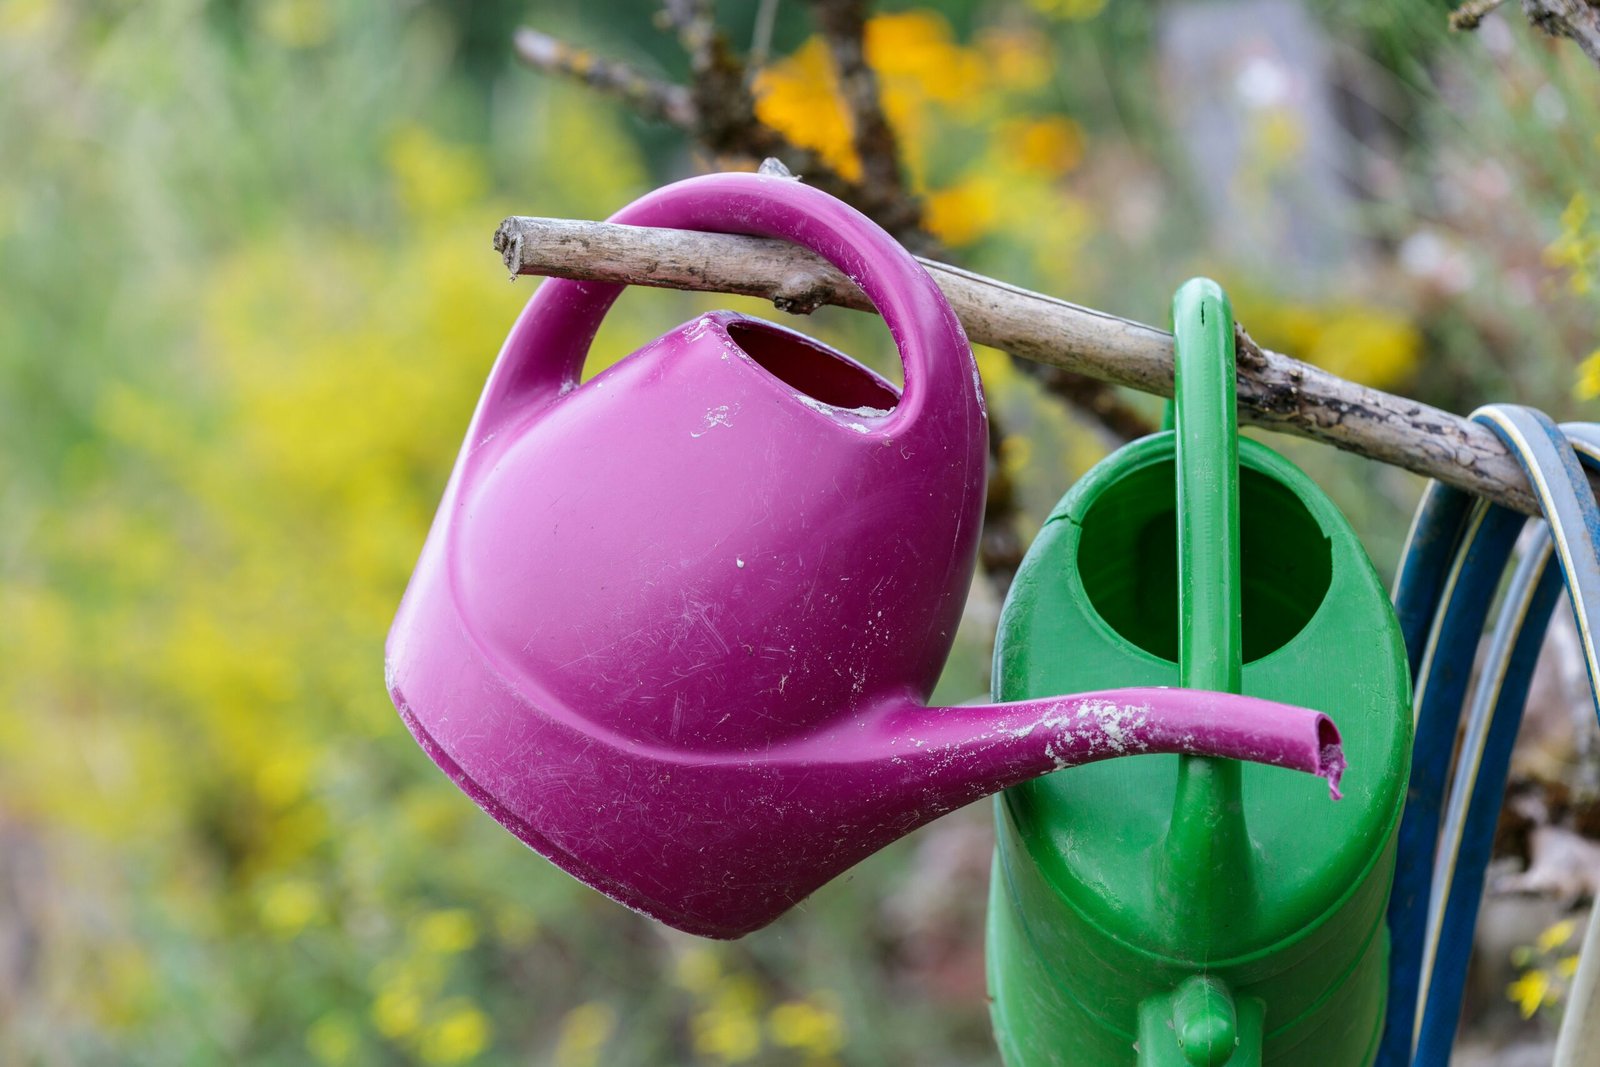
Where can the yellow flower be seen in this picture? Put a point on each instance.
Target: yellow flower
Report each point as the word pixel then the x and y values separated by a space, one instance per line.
pixel 698 970
pixel 1587 386
pixel 296 23
pixel 584 1032
pixel 916 53
pixel 1279 136
pixel 1072 10
pixel 1367 344
pixel 460 1033
pixel 729 1030
pixel 964 212
pixel 1566 967
pixel 446 932
pixel 1050 146
pixel 1577 247
pixel 725 1036
pixel 1556 935
pixel 919 64
pixel 290 906
pixel 333 1039
pixel 433 178
pixel 281 778
pixel 805 1025
pixel 1015 452
pixel 397 1011
pixel 799 95
pixel 1017 59
pixel 1529 992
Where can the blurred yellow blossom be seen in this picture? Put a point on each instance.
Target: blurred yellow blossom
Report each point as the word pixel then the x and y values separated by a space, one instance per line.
pixel 333 1039
pixel 964 212
pixel 1076 10
pixel 1050 145
pixel 1018 59
pixel 1363 342
pixel 397 1011
pixel 1587 387
pixel 1556 935
pixel 290 906
pixel 296 23
pixel 729 1030
pixel 23 17
pixel 1529 992
pixel 434 178
pixel 725 1036
pixel 919 64
pixel 1577 248
pixel 584 1032
pixel 697 969
pixel 806 1025
pixel 1277 137
pixel 799 95
pixel 447 931
pixel 1016 450
pixel 917 57
pixel 460 1033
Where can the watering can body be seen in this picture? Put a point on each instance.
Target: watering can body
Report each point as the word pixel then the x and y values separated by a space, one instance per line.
pixel 675 626
pixel 1093 949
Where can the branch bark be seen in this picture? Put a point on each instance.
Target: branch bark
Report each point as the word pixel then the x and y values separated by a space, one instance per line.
pixel 1577 19
pixel 1276 392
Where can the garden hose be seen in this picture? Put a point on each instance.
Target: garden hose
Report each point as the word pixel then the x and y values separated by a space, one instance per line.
pixel 1452 567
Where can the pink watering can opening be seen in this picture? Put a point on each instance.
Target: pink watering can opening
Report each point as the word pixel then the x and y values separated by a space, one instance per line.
pixel 674 627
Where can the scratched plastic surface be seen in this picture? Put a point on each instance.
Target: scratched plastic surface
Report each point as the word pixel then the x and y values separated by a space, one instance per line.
pixel 674 627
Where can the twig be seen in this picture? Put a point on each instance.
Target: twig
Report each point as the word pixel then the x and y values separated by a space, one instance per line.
pixel 1577 19
pixel 843 25
pixel 1470 15
pixel 761 38
pixel 650 97
pixel 1275 391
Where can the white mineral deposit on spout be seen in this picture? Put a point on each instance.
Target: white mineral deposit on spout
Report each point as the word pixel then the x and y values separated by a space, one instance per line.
pixel 1118 723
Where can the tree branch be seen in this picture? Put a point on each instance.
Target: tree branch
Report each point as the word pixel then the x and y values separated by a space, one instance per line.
pixel 1275 391
pixel 650 97
pixel 1577 19
pixel 843 24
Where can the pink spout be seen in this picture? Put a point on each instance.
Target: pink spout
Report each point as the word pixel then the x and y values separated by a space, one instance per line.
pixel 1003 744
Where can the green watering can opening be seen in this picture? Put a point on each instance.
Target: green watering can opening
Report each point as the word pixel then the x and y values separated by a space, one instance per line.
pixel 1128 562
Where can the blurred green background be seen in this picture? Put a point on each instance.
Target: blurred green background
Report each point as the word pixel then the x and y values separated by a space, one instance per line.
pixel 247 300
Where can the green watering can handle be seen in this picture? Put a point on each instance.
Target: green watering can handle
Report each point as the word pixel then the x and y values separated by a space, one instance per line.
pixel 1209 641
pixel 1207 867
pixel 1208 864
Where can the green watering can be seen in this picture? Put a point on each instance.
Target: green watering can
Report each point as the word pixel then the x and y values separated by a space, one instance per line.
pixel 1176 910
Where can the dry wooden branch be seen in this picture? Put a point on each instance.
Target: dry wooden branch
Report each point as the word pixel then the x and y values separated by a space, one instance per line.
pixel 649 96
pixel 1577 19
pixel 1275 391
pixel 843 24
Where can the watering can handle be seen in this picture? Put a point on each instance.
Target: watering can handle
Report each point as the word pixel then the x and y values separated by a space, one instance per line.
pixel 543 357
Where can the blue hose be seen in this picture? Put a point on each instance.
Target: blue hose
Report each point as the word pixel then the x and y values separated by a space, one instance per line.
pixel 1453 564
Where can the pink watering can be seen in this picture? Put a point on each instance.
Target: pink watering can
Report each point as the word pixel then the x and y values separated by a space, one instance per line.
pixel 675 627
